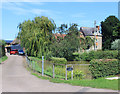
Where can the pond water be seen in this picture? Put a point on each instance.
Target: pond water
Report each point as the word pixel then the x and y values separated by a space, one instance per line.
pixel 77 62
pixel 60 70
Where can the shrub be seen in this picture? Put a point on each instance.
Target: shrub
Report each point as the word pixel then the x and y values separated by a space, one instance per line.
pixel 115 45
pixel 85 56
pixel 76 56
pixel 49 55
pixel 58 60
pixel 2 48
pixel 96 55
pixel 104 67
pixel 78 74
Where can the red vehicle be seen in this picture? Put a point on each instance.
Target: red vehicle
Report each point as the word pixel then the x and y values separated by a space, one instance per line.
pixel 14 51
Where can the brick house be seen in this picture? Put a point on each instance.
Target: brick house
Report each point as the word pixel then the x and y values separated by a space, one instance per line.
pixel 94 33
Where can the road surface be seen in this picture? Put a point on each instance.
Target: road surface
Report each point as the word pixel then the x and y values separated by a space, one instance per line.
pixel 16 78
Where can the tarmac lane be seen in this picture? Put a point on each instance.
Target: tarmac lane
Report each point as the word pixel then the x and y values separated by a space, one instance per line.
pixel 14 77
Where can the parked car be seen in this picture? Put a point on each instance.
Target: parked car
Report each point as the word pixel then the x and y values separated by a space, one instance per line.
pixel 13 51
pixel 21 52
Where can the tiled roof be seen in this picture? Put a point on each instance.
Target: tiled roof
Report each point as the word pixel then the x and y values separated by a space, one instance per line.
pixel 87 31
pixel 59 35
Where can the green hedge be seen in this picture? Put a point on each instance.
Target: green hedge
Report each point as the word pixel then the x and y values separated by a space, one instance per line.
pixel 58 60
pixel 2 48
pixel 104 67
pixel 87 56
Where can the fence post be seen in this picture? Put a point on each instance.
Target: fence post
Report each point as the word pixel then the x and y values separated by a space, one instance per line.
pixel 42 65
pixel 72 74
pixel 28 62
pixel 31 64
pixel 34 66
pixel 53 70
pixel 66 73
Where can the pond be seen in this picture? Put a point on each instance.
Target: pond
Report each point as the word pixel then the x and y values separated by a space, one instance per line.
pixel 79 68
pixel 77 62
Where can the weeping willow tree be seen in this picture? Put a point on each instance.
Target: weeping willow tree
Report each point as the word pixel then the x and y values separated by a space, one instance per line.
pixel 36 35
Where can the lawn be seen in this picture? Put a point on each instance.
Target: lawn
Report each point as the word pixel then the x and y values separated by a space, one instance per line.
pixel 3 58
pixel 94 83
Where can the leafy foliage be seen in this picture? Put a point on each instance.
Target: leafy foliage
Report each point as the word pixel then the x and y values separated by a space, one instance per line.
pixel 3 58
pixel 36 35
pixel 115 45
pixel 58 60
pixel 87 56
pixel 110 31
pixel 2 48
pixel 103 68
pixel 66 46
pixel 39 39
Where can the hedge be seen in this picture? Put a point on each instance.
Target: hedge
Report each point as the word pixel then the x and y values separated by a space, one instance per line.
pixel 87 56
pixel 2 48
pixel 58 60
pixel 104 67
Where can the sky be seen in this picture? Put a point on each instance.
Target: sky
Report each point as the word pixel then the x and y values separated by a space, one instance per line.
pixel 81 13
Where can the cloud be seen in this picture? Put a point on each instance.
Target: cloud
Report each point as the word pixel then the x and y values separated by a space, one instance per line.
pixel 38 11
pixel 23 9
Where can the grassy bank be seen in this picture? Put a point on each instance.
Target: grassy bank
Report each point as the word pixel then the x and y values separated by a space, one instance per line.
pixel 94 83
pixel 3 58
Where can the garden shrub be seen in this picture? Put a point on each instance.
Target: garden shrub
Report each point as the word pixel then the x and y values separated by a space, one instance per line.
pixel 87 56
pixel 104 67
pixel 58 60
pixel 76 56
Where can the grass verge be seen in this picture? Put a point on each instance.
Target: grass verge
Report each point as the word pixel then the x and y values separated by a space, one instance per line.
pixel 94 83
pixel 3 59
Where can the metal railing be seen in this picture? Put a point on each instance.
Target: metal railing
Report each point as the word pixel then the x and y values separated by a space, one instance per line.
pixel 62 71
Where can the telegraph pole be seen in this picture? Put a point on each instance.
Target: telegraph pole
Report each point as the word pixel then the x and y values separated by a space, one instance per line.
pixel 95 34
pixel 119 10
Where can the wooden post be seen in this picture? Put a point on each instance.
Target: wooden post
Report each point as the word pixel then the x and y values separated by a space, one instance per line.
pixel 42 65
pixel 53 70
pixel 72 74
pixel 66 73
